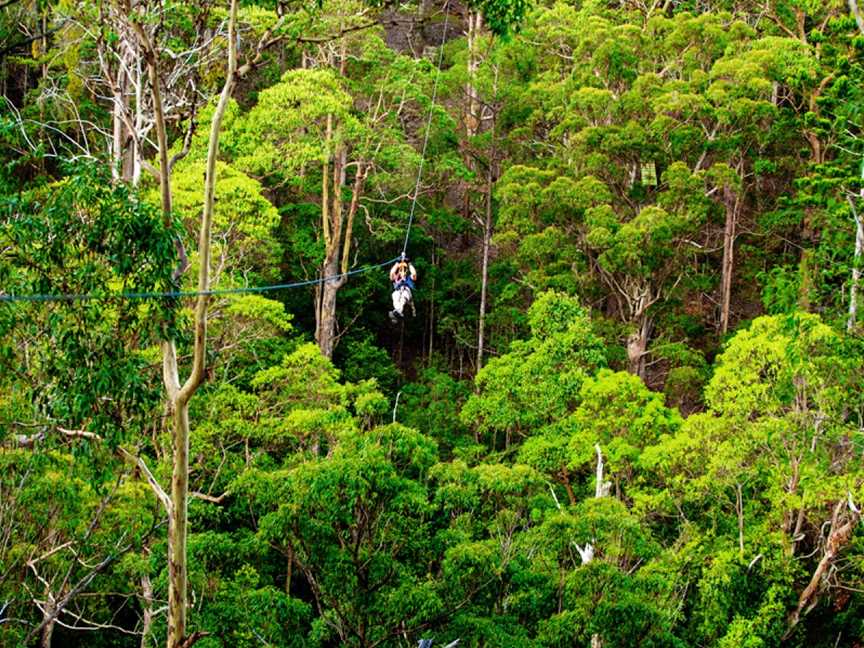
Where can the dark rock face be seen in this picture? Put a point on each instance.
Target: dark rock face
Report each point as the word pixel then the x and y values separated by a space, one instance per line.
pixel 420 33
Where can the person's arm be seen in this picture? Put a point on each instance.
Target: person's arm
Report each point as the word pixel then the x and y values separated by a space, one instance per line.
pixel 413 272
pixel 393 272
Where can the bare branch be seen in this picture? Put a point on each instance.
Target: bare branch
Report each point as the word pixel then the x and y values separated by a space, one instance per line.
pixel 154 484
pixel 210 498
pixel 192 639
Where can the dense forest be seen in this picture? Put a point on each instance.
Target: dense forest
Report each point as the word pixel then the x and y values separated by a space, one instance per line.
pixel 624 405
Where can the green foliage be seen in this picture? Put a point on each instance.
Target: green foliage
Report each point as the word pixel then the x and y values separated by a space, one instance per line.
pixel 645 164
pixel 540 378
pixel 82 236
pixel 243 221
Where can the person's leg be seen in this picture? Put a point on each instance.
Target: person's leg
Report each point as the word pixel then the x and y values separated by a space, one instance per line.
pixel 397 305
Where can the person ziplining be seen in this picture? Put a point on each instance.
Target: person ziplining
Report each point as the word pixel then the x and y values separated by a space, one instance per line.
pixel 403 274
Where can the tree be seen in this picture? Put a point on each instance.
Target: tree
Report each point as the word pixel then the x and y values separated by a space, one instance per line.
pixel 540 379
pixel 76 378
pixel 179 395
pixel 353 130
pixel 775 430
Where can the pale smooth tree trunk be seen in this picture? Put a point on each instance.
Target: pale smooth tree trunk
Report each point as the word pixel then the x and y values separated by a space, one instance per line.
pixel 599 486
pixel 472 107
pixel 856 265
pixel 484 275
pixel 856 274
pixel 139 122
pixel 177 592
pixel 179 396
pixel 637 346
pixel 118 130
pixel 147 614
pixel 731 204
pixel 739 510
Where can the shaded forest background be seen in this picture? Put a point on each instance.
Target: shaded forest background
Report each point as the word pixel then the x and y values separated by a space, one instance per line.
pixel 628 410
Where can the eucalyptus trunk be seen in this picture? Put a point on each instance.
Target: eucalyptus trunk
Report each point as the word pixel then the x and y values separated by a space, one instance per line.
pixel 637 346
pixel 337 226
pixel 179 396
pixel 852 318
pixel 730 203
pixel 484 276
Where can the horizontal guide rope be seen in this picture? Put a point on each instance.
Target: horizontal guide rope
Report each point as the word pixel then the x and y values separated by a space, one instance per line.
pixel 72 297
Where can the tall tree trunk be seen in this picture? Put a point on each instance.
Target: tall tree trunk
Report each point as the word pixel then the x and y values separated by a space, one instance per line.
pixel 484 275
pixel 731 204
pixel 332 222
pixel 600 489
pixel 805 271
pixel 637 345
pixel 856 265
pixel 147 614
pixel 326 335
pixel 49 615
pixel 179 396
pixel 739 510
pixel 118 130
pixel 338 229
pixel 139 123
pixel 471 108
pixel 325 231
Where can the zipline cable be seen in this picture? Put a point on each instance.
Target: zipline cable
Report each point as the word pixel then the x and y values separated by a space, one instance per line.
pixel 73 297
pixel 176 294
pixel 428 128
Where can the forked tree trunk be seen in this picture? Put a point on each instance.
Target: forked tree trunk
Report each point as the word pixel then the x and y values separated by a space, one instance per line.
pixel 179 396
pixel 332 220
pixel 337 227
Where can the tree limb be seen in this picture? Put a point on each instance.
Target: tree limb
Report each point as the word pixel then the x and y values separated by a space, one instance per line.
pixel 838 537
pixel 210 498
pixel 154 484
pixel 192 639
